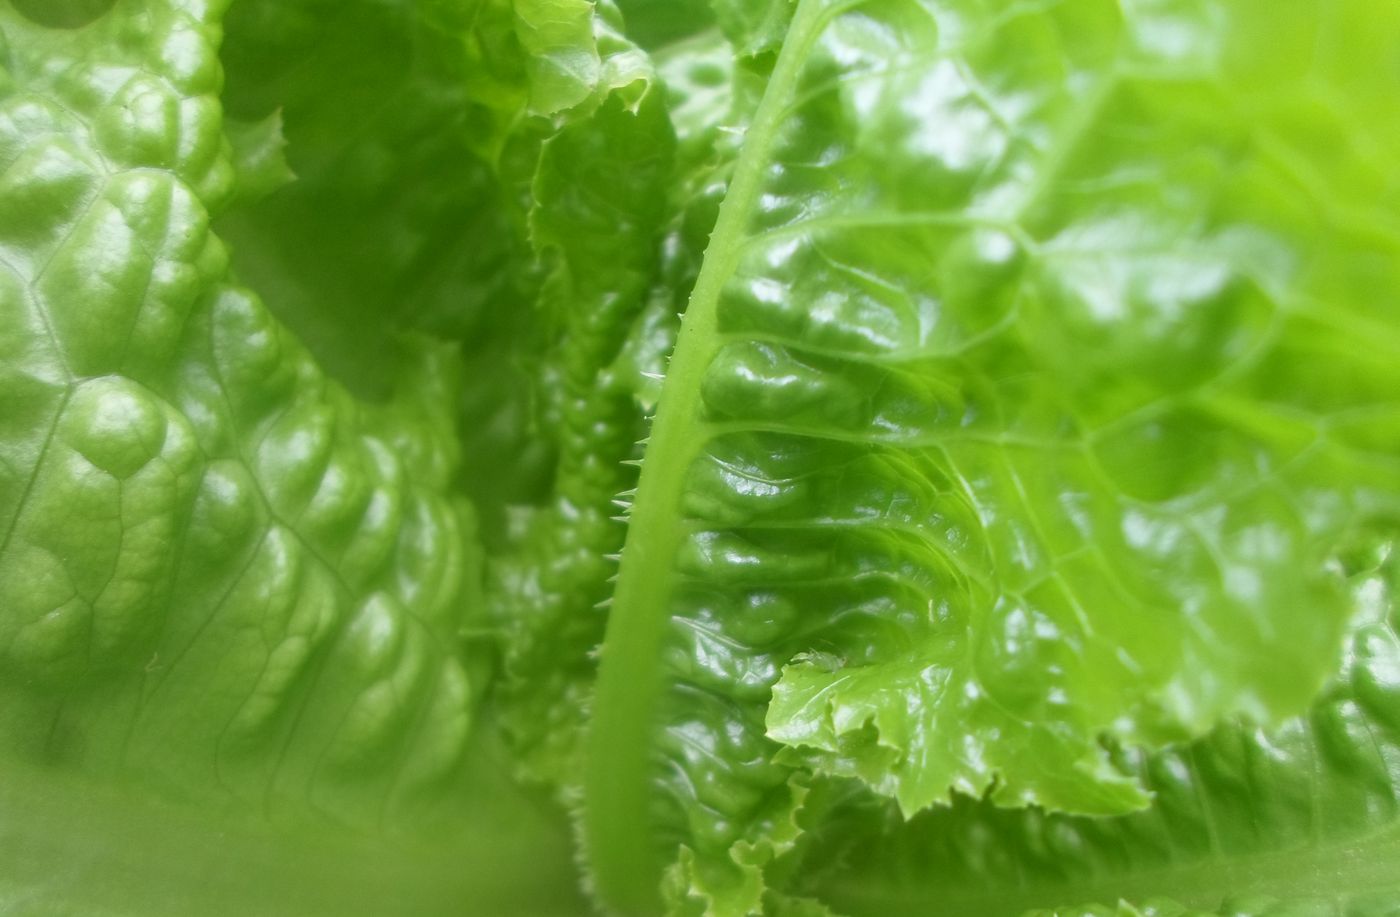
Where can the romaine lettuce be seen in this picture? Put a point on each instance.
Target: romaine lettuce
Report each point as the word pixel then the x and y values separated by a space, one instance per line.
pixel 846 456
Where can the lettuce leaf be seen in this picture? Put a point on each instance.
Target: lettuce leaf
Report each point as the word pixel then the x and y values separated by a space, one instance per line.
pixel 1022 410
pixel 219 570
pixel 848 456
pixel 1297 819
pixel 234 595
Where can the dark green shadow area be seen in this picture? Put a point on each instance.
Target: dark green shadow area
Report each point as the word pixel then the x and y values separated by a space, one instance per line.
pixel 62 14
pixel 653 23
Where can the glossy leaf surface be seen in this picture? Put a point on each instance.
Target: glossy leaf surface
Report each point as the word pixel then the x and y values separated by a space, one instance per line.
pixel 1022 404
pixel 852 456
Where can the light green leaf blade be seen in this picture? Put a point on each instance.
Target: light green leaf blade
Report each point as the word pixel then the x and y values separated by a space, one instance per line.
pixel 576 54
pixel 1302 819
pixel 1036 379
pixel 1115 395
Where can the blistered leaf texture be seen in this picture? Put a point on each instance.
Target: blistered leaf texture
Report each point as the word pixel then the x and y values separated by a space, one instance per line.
pixel 220 575
pixel 925 456
pixel 1041 368
pixel 1126 375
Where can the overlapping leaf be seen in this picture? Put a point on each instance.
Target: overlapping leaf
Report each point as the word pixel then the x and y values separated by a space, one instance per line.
pixel 1024 469
pixel 1296 820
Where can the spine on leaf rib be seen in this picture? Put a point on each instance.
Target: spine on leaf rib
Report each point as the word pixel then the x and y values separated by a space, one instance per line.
pixel 617 833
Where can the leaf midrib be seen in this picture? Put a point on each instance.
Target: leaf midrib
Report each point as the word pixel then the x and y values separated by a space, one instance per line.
pixel 617 830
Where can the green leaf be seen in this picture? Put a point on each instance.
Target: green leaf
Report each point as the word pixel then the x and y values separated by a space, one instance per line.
pixel 757 27
pixel 1037 373
pixel 94 848
pixel 223 579
pixel 599 203
pixel 654 24
pixel 557 36
pixel 1302 819
pixel 1014 388
pixel 258 150
pixel 1150 490
pixel 397 218
pixel 575 52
